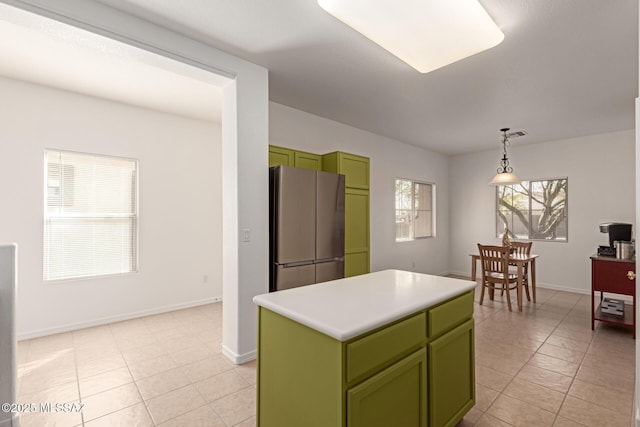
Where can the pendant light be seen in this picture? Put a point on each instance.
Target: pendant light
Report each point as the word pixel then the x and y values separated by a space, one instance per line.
pixel 505 175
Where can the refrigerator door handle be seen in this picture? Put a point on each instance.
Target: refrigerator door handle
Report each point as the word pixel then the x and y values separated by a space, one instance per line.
pixel 322 261
pixel 296 264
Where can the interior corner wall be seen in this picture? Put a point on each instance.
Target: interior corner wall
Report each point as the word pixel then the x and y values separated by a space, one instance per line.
pixel 180 221
pixel 601 188
pixel 389 159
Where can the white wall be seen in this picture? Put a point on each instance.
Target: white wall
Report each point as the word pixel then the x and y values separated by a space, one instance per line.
pixel 601 188
pixel 180 221
pixel 389 159
pixel 245 112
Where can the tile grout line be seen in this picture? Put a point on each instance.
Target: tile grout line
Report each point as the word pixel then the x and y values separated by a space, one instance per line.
pixel 525 364
pixel 573 378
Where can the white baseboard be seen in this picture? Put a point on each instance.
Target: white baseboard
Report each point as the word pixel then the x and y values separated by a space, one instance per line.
pixel 538 285
pixel 457 273
pixel 563 288
pixel 443 274
pixel 239 359
pixel 112 319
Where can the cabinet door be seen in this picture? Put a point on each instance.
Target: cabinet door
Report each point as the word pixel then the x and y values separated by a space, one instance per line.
pixel 356 240
pixel 613 276
pixel 354 168
pixel 308 161
pixel 394 397
pixel 451 382
pixel 356 263
pixel 281 156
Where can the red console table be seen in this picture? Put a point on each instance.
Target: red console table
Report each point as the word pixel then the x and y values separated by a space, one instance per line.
pixel 616 276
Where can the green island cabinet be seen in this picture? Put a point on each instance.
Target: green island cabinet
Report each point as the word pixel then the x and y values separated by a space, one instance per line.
pixel 417 371
pixel 356 171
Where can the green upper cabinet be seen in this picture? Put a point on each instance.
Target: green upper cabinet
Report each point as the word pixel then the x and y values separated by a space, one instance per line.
pixel 281 156
pixel 299 159
pixel 308 160
pixel 354 168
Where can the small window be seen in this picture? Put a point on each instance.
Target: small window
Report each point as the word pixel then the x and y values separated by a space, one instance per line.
pixel 414 209
pixel 533 210
pixel 90 215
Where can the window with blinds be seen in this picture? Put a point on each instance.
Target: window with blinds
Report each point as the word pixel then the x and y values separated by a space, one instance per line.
pixel 90 215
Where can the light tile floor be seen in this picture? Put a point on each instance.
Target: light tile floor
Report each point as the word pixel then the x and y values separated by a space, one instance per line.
pixel 545 367
pixel 540 367
pixel 163 370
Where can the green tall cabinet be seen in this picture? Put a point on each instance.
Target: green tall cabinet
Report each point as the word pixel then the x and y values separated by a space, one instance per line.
pixel 356 171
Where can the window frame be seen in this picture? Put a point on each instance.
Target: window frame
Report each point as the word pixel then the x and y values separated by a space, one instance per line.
pixel 512 236
pixel 135 235
pixel 413 209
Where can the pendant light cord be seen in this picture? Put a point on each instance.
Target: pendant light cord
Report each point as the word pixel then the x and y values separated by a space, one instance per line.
pixel 504 162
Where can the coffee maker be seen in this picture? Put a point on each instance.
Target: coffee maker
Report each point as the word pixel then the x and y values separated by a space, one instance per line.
pixel 618 232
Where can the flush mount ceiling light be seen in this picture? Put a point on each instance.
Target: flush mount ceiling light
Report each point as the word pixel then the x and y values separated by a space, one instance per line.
pixel 426 34
pixel 505 174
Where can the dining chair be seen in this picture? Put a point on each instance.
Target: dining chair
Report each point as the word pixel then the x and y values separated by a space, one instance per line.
pixel 494 261
pixel 522 248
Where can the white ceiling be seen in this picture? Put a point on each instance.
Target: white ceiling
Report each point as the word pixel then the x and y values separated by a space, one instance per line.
pixel 50 53
pixel 565 69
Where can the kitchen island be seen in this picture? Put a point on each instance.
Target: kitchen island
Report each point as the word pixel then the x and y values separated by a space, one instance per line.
pixel 391 348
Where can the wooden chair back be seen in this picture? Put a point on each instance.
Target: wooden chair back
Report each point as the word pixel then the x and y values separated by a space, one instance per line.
pixel 521 248
pixel 494 261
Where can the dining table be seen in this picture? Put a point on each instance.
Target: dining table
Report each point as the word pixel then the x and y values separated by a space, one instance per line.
pixel 519 260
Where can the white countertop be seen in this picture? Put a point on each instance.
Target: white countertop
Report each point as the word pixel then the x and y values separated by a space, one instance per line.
pixel 346 308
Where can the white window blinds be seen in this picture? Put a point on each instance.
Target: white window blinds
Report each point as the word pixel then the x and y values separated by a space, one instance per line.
pixel 91 215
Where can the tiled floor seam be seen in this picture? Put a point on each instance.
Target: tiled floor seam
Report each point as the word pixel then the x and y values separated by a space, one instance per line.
pixel 525 364
pixel 573 378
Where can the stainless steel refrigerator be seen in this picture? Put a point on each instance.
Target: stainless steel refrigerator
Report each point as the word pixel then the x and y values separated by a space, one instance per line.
pixel 306 212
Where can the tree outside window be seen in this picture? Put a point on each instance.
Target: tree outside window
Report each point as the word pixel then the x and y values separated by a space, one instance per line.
pixel 414 209
pixel 533 210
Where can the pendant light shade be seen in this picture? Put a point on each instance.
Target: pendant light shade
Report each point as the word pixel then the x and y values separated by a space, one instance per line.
pixel 426 34
pixel 505 175
pixel 505 178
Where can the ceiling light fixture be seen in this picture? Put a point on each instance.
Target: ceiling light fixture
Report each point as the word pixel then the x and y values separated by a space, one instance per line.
pixel 505 174
pixel 426 34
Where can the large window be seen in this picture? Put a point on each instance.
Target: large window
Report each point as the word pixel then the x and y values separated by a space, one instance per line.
pixel 533 210
pixel 414 209
pixel 90 215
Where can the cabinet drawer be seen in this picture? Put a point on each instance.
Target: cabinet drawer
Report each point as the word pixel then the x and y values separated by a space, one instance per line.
pixel 445 316
pixel 375 350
